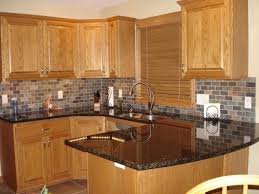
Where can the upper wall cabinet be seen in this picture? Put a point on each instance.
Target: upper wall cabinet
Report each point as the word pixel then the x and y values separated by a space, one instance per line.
pixel 122 47
pixel 22 48
pixel 93 49
pixel 60 48
pixel 215 38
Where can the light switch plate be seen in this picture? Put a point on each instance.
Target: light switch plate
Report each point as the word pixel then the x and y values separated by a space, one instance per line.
pixel 60 94
pixel 4 99
pixel 203 99
pixel 248 102
pixel 120 93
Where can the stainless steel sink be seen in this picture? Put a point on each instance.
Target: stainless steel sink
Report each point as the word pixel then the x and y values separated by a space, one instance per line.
pixel 144 116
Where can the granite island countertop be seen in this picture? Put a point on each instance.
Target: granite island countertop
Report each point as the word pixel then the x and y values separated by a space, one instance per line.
pixel 177 140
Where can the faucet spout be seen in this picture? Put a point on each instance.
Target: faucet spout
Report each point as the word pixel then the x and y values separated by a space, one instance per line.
pixel 151 101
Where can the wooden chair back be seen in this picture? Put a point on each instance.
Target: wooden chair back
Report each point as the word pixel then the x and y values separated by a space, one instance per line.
pixel 225 182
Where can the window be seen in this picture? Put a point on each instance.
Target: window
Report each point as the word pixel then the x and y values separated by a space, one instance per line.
pixel 159 61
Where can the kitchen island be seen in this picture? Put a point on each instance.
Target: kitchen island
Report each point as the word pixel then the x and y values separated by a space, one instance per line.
pixel 168 156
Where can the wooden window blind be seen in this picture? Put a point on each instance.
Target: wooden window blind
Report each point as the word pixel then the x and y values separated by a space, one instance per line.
pixel 159 58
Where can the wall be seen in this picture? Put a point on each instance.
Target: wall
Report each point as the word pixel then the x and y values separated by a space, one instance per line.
pixel 141 9
pixel 58 8
pixel 254 71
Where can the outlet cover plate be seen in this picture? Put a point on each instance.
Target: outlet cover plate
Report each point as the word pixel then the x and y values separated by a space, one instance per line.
pixel 203 99
pixel 212 108
pixel 4 99
pixel 60 94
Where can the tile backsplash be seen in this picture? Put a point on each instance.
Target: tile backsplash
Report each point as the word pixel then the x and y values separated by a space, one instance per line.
pixel 79 92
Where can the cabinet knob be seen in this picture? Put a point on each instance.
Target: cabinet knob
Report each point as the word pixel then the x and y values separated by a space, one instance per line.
pixel 44 144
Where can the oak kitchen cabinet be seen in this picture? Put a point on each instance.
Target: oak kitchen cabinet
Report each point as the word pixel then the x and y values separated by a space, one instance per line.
pixel 34 154
pixel 94 125
pixel 35 47
pixel 121 47
pixel 22 48
pixel 215 38
pixel 60 48
pixel 93 49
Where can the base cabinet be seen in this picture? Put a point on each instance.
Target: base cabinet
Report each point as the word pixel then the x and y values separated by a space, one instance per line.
pixel 34 154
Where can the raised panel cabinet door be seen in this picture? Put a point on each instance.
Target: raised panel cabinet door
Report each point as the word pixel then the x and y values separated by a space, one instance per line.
pixel 60 49
pixel 205 41
pixel 113 48
pixel 31 166
pixel 59 157
pixel 121 34
pixel 80 127
pixel 93 49
pixel 22 48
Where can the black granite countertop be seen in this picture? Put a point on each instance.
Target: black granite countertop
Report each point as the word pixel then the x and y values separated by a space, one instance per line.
pixel 176 140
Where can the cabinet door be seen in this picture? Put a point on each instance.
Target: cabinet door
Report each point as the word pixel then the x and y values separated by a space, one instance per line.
pixel 93 49
pixel 205 41
pixel 60 49
pixel 31 162
pixel 122 48
pixel 80 127
pixel 22 48
pixel 59 157
pixel 113 48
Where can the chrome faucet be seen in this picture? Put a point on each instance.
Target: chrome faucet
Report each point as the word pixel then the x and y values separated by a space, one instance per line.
pixel 151 101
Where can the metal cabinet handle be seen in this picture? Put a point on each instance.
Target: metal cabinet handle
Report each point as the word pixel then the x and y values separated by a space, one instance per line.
pixel 49 143
pixel 182 68
pixel 44 129
pixel 47 71
pixel 44 144
pixel 42 72
pixel 100 128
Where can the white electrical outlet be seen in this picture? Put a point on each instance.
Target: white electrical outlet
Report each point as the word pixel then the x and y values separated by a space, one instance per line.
pixel 203 99
pixel 4 99
pixel 248 102
pixel 120 93
pixel 60 94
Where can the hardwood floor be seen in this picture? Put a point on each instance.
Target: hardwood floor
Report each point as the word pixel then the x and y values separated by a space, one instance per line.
pixel 68 187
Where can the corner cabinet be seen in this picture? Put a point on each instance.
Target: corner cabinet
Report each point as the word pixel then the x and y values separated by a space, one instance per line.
pixel 22 48
pixel 214 38
pixel 121 47
pixel 60 47
pixel 93 50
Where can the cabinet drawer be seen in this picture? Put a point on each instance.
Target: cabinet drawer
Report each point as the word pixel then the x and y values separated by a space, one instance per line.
pixel 28 129
pixel 56 125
